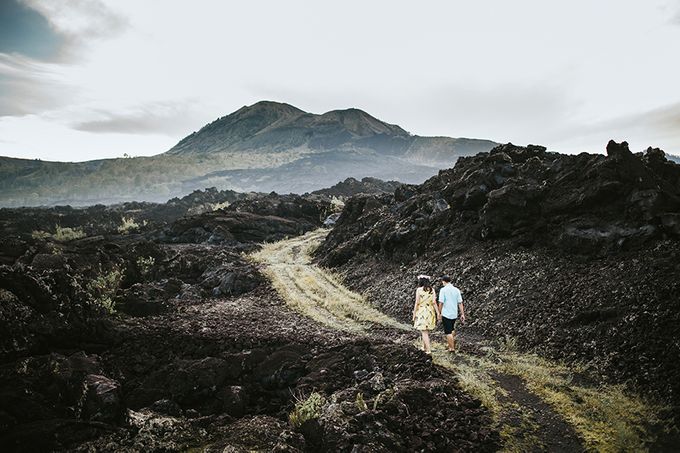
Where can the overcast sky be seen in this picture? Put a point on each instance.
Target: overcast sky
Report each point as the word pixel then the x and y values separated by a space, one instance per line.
pixel 86 79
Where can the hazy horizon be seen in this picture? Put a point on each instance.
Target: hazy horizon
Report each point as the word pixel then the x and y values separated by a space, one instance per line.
pixel 97 79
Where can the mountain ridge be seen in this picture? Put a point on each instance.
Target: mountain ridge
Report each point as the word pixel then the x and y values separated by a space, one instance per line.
pixel 264 122
pixel 266 146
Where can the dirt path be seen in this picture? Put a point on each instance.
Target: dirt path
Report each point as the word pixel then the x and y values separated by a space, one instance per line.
pixel 535 403
pixel 314 292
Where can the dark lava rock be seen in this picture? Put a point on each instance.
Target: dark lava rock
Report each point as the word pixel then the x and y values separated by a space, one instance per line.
pixel 573 255
pixel 585 204
pixel 351 186
pixel 235 400
pixel 102 400
pixel 233 227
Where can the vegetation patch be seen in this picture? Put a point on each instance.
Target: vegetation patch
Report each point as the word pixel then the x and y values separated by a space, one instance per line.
pixel 103 289
pixel 306 409
pixel 60 234
pixel 130 225
pixel 609 418
pixel 145 265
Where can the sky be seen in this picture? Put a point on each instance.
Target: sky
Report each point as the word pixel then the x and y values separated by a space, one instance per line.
pixel 90 79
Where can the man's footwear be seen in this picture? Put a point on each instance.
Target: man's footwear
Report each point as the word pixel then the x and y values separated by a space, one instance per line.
pixel 428 352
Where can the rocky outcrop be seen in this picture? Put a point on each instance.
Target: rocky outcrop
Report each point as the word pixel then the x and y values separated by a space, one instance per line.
pixel 351 186
pixel 19 224
pixel 585 204
pixel 571 255
pixel 258 219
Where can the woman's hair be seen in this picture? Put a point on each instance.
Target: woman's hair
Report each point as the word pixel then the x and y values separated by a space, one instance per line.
pixel 425 284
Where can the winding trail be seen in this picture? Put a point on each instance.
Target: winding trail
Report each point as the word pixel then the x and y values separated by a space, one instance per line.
pixel 315 292
pixel 535 403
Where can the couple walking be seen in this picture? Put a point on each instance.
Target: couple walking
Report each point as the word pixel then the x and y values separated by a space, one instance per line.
pixel 426 312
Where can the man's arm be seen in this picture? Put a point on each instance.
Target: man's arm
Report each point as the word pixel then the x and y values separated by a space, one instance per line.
pixel 436 310
pixel 461 308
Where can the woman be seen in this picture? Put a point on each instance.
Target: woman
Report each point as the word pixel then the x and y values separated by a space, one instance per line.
pixel 425 311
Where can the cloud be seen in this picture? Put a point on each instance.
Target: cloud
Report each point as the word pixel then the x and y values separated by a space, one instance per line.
pixel 27 86
pixel 675 12
pixel 169 118
pixel 44 40
pixel 658 127
pixel 79 22
pixel 26 32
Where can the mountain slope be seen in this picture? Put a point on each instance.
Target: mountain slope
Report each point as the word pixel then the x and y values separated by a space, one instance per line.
pixel 268 146
pixel 572 256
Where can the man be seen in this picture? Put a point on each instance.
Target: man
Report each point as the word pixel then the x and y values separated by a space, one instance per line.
pixel 450 303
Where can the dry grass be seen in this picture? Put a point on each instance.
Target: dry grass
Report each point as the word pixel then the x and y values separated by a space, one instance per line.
pixel 60 234
pixel 316 292
pixel 517 428
pixel 608 418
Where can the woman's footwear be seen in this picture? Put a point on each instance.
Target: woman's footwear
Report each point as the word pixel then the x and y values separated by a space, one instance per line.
pixel 428 352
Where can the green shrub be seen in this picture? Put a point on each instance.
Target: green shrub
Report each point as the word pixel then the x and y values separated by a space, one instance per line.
pixel 61 234
pixel 337 204
pixel 361 403
pixel 68 234
pixel 306 409
pixel 103 289
pixel 129 225
pixel 145 265
pixel 39 234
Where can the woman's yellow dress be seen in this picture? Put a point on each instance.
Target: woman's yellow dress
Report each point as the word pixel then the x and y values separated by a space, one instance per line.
pixel 426 316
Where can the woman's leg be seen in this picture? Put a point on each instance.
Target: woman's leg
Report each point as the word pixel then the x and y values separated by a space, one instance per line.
pixel 426 340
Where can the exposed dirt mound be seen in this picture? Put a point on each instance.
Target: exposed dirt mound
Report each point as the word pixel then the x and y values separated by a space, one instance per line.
pixel 574 256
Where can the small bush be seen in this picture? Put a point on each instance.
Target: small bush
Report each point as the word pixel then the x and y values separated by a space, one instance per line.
pixel 307 409
pixel 128 225
pixel 507 344
pixel 103 289
pixel 39 234
pixel 361 403
pixel 145 265
pixel 218 206
pixel 68 234
pixel 61 234
pixel 337 204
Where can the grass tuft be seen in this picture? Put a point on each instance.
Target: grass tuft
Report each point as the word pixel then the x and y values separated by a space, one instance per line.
pixel 306 409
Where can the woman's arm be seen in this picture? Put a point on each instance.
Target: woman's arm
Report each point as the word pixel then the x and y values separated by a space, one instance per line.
pixel 434 304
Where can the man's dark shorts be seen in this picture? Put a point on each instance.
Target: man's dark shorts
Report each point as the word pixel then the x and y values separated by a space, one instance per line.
pixel 449 325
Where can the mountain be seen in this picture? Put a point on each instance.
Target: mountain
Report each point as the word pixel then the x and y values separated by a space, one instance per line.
pixel 268 146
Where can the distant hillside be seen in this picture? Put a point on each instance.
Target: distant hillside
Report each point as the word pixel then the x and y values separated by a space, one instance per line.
pixel 264 147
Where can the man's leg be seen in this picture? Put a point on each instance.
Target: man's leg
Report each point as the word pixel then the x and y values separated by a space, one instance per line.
pixel 451 342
